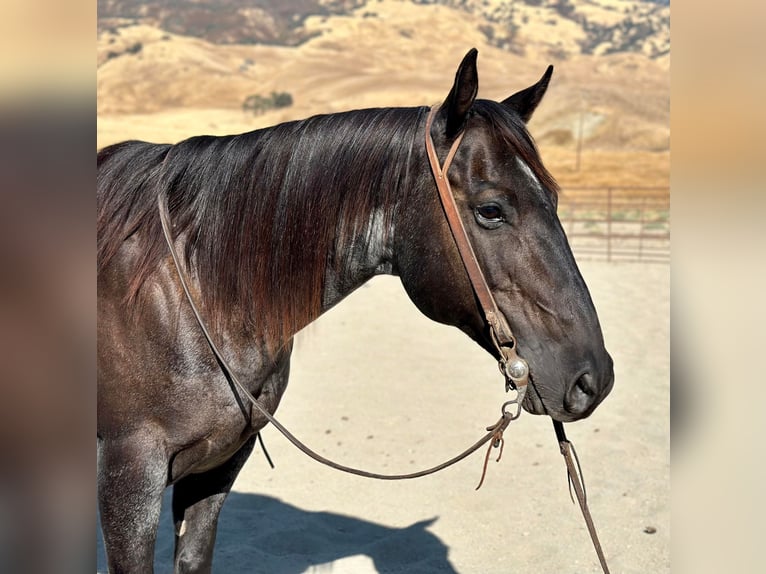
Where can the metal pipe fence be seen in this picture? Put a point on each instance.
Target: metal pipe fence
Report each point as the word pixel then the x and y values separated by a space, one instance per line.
pixel 617 223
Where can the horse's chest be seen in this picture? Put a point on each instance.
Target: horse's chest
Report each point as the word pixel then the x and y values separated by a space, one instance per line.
pixel 224 421
pixel 208 452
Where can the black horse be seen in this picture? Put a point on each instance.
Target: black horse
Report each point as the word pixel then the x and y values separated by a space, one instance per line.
pixel 275 227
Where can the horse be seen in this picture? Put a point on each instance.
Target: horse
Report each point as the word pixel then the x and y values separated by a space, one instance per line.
pixel 275 227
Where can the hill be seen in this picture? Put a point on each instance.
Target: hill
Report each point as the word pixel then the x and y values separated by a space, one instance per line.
pixel 595 26
pixel 611 84
pixel 276 22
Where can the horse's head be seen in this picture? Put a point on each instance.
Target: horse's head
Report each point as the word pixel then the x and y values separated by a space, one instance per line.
pixel 507 202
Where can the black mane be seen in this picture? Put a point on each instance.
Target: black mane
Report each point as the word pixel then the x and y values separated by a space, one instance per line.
pixel 262 212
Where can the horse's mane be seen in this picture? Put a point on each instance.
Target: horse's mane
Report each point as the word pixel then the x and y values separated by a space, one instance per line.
pixel 262 212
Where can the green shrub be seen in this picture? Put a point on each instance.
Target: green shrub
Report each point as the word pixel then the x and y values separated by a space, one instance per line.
pixel 259 104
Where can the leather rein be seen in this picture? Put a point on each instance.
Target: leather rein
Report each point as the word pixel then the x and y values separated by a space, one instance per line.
pixel 514 368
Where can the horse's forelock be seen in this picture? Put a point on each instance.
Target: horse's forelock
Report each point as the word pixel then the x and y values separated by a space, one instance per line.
pixel 512 130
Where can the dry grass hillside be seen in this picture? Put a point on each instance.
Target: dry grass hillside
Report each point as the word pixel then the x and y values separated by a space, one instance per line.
pixel 157 85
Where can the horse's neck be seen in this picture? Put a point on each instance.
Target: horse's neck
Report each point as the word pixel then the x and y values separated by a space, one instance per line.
pixel 369 256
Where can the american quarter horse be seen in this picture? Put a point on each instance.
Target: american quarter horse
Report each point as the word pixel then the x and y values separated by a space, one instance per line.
pixel 276 226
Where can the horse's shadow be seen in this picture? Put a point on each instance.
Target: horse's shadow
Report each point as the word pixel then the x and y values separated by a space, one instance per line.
pixel 261 534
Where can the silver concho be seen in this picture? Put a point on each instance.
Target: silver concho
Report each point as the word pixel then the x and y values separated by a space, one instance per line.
pixel 517 369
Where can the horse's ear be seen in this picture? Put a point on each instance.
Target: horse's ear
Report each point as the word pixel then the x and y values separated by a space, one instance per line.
pixel 462 94
pixel 525 102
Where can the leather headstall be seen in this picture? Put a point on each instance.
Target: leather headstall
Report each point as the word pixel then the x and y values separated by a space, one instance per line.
pixel 513 367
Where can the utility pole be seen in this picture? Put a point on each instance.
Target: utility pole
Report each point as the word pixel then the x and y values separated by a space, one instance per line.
pixel 579 133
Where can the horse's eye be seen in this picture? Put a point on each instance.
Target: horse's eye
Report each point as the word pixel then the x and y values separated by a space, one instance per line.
pixel 490 211
pixel 489 215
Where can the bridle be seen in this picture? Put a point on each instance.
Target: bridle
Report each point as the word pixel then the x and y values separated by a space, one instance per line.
pixel 514 368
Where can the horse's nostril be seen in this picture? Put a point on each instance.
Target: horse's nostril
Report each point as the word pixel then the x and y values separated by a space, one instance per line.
pixel 588 388
pixel 585 384
pixel 580 395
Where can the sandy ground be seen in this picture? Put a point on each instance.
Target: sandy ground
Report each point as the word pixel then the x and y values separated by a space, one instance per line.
pixel 377 385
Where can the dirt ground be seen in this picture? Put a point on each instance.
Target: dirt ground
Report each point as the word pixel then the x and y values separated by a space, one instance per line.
pixel 377 385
